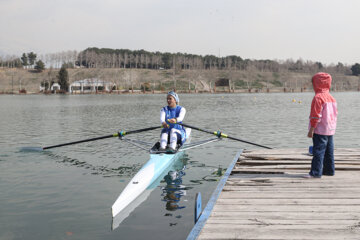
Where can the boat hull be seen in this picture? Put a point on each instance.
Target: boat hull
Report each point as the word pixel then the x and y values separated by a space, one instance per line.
pixel 148 174
pixel 127 209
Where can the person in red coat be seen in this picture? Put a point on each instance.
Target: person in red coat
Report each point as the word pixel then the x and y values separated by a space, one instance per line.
pixel 323 118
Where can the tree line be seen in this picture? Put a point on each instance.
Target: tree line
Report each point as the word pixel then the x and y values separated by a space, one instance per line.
pixel 141 59
pixel 125 58
pixel 32 60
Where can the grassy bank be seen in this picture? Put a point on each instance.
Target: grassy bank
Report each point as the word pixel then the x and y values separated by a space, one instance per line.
pixel 13 80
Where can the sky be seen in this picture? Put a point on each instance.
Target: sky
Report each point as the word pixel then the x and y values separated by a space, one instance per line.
pixel 312 30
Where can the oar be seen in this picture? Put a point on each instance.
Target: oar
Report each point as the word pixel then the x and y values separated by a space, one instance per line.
pixel 220 134
pixel 119 134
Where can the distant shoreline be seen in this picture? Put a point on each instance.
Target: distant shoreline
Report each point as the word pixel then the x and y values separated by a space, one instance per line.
pixel 184 81
pixel 138 92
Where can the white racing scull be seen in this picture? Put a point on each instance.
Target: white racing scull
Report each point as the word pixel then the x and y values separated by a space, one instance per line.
pixel 153 169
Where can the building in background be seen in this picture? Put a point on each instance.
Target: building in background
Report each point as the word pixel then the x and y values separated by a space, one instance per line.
pixel 91 85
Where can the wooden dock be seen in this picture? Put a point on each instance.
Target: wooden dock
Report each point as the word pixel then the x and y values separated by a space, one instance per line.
pixel 265 197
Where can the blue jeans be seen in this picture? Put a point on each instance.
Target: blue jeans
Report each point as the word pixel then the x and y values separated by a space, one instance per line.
pixel 323 156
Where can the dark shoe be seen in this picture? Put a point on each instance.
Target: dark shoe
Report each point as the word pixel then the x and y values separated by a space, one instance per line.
pixel 170 150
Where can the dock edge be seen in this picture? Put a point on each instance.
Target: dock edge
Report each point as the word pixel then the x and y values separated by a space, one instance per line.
pixel 210 205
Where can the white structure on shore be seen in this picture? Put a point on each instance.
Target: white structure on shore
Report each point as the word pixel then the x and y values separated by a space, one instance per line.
pixel 55 87
pixel 91 85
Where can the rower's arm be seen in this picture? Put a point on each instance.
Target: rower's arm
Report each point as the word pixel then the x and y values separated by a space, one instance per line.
pixel 162 116
pixel 181 115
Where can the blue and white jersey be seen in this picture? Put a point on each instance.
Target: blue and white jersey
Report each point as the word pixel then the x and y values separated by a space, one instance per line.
pixel 168 113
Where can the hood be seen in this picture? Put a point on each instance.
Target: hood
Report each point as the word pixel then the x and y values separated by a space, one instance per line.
pixel 321 82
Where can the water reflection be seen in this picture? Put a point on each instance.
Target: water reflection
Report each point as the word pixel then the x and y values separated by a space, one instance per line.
pixel 174 190
pixel 104 171
pixel 213 177
pixel 172 176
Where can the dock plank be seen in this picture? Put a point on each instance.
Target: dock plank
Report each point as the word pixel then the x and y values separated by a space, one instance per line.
pixel 286 234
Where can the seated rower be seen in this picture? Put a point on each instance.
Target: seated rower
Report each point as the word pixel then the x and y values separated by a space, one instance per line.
pixel 169 115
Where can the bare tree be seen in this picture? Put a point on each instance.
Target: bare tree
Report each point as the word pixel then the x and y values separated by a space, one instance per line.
pixel 120 59
pixel 126 59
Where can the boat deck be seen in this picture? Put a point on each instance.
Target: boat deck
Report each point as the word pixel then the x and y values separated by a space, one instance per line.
pixel 265 197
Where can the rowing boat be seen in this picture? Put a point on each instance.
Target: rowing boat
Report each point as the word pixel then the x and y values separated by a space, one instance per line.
pixel 153 169
pixel 150 172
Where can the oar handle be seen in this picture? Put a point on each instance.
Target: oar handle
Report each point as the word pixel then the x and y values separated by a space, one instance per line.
pixel 196 128
pixel 220 134
pixel 123 133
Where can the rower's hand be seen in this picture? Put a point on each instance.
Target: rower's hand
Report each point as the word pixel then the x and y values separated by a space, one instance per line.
pixel 172 120
pixel 165 125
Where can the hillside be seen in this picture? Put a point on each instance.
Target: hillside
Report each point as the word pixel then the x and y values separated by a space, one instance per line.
pixel 182 80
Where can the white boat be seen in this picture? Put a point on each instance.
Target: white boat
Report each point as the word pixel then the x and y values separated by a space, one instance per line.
pixel 117 220
pixel 151 171
pixel 148 174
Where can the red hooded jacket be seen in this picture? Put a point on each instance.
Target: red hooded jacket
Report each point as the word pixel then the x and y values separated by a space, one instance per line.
pixel 323 115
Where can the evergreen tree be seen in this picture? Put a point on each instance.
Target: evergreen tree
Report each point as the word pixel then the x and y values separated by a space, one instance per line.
pixel 24 60
pixel 32 58
pixel 167 60
pixel 39 66
pixel 356 69
pixel 63 78
pixel 319 65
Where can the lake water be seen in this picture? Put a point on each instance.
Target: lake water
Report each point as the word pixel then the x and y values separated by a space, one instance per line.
pixel 67 192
